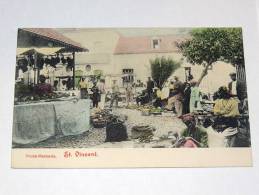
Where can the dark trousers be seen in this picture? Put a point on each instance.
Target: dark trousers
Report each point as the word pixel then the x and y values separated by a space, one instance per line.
pixel 95 103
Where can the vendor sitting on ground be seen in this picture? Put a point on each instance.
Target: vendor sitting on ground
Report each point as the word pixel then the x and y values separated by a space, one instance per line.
pixel 193 135
pixel 226 110
pixel 43 88
pixel 143 98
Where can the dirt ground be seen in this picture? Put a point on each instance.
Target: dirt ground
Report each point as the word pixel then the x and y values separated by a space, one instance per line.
pixel 95 137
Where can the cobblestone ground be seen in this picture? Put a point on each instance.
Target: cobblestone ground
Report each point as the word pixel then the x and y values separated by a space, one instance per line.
pixel 96 137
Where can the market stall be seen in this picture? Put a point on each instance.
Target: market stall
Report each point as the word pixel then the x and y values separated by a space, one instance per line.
pixel 41 110
pixel 38 121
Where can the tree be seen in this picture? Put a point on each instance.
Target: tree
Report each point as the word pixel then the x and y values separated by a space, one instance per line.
pixel 234 52
pixel 162 68
pixel 209 45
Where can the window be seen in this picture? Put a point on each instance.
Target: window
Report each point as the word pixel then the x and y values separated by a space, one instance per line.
pixel 155 43
pixel 127 76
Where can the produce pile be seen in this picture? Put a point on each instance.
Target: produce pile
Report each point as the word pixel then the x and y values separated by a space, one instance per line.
pixel 25 94
pixel 144 133
pixel 146 109
pixel 99 118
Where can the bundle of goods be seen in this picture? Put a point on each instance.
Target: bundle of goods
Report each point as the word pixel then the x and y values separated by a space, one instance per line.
pixel 156 111
pixel 144 133
pixel 145 112
pixel 116 130
pixel 25 94
pixel 99 118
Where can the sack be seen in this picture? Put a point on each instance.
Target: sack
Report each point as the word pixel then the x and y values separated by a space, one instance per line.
pixel 116 131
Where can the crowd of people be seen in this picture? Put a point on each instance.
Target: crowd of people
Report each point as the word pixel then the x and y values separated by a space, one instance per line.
pixel 183 98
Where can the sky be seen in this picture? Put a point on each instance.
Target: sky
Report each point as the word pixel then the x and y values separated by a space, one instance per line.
pixel 133 31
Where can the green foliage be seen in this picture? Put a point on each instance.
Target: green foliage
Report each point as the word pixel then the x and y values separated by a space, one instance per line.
pixel 162 69
pixel 209 45
pixel 234 52
pixel 205 47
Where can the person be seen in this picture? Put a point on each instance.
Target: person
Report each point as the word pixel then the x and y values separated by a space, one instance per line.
pixel 69 83
pixel 115 94
pixel 63 86
pixel 232 86
pixel 195 97
pixel 176 97
pixel 194 135
pixel 178 85
pixel 43 88
pixel 55 86
pixel 158 95
pixel 226 108
pixel 101 87
pixel 83 88
pixel 129 94
pixel 143 98
pixel 165 93
pixel 186 98
pixel 150 87
pixel 95 95
pixel 226 112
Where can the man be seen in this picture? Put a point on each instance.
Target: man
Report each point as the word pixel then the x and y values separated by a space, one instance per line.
pixel 129 94
pixel 95 95
pixel 101 87
pixel 150 87
pixel 232 86
pixel 176 97
pixel 115 94
pixel 186 98
pixel 43 88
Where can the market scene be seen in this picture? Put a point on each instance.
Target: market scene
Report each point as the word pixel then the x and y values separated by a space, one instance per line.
pixel 130 88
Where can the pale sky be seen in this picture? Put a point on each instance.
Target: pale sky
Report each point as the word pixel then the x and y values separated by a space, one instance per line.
pixel 132 31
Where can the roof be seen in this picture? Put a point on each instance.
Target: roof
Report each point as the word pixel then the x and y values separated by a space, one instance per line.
pixel 52 35
pixel 41 51
pixel 143 44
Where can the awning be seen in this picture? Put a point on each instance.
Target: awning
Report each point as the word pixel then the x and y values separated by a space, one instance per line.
pixel 47 37
pixel 41 51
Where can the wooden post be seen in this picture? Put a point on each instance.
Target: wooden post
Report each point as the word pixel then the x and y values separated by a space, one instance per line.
pixel 35 67
pixel 74 76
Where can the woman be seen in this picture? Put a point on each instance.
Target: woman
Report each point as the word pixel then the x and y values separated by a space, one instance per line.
pixel 195 97
pixel 226 112
pixel 83 88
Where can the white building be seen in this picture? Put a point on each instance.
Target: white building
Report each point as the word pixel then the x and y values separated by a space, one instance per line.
pixel 117 56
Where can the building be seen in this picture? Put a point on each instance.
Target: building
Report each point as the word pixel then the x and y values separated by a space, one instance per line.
pixel 127 58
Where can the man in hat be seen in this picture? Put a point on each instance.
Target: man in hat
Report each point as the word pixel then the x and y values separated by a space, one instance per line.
pixel 150 87
pixel 232 86
pixel 194 136
pixel 115 94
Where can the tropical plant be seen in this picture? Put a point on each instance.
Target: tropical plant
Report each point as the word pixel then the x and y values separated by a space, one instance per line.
pixel 162 68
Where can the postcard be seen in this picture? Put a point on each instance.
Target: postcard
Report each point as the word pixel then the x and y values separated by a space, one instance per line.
pixel 130 97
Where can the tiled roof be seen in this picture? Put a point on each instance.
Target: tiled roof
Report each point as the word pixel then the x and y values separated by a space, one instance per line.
pixel 143 44
pixel 53 35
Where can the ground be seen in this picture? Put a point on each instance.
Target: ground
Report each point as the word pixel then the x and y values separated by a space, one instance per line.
pixel 95 137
